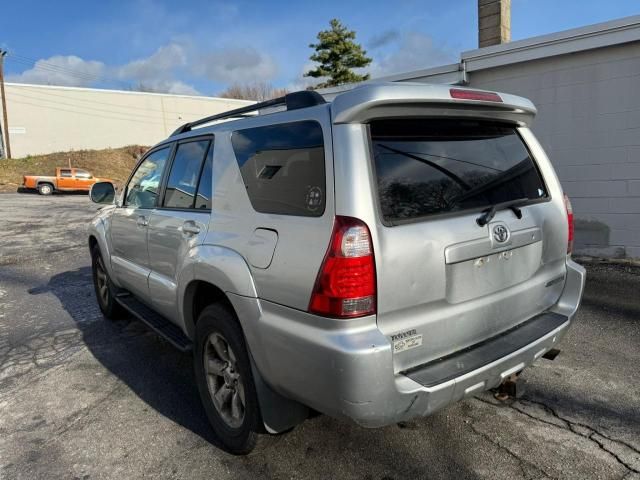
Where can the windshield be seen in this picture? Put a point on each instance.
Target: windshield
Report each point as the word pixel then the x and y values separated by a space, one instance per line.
pixel 428 167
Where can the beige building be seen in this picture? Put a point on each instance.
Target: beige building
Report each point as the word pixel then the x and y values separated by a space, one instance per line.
pixel 45 119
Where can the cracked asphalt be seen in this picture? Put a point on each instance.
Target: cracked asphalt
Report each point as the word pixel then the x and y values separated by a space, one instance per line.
pixel 81 397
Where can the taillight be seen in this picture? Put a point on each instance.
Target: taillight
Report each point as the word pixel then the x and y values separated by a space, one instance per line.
pixel 567 204
pixel 474 95
pixel 346 283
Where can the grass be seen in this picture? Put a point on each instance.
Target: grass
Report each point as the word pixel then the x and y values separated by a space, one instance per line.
pixel 114 163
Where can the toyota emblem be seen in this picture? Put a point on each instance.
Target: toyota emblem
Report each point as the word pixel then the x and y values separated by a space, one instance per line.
pixel 500 233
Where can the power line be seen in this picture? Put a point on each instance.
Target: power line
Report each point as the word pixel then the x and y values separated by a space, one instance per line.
pixel 96 102
pixel 62 68
pixel 48 67
pixel 29 97
pixel 40 65
pixel 125 118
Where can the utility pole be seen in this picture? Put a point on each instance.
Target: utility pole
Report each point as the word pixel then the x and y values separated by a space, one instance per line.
pixel 4 104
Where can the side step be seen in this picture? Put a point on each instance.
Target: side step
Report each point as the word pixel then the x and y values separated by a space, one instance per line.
pixel 157 322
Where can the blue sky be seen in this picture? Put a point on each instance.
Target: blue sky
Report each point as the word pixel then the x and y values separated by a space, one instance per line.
pixel 200 47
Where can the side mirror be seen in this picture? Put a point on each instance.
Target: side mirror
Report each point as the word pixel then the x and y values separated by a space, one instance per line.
pixel 102 192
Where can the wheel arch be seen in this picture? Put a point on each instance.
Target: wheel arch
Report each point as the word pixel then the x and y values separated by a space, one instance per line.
pixel 98 237
pixel 46 182
pixel 278 413
pixel 93 241
pixel 211 273
pixel 197 295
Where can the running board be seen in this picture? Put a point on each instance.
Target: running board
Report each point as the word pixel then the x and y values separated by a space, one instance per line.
pixel 157 322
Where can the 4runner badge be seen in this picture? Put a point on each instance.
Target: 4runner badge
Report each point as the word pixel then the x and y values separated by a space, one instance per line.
pixel 406 341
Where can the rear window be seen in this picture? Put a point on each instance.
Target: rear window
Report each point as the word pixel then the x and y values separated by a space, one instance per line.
pixel 282 167
pixel 431 167
pixel 185 173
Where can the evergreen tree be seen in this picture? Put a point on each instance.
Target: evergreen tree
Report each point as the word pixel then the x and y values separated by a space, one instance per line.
pixel 337 53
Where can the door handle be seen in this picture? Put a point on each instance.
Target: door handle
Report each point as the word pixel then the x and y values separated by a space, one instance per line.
pixel 190 228
pixel 142 221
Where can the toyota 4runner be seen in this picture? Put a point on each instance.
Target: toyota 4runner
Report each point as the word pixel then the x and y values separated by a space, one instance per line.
pixel 374 258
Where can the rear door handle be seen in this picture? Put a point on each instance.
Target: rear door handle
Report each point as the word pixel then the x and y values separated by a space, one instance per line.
pixel 190 228
pixel 142 221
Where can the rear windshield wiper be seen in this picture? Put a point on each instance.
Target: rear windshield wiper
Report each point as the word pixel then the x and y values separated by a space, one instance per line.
pixel 489 213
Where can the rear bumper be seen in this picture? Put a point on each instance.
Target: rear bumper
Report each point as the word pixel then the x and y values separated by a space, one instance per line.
pixel 349 373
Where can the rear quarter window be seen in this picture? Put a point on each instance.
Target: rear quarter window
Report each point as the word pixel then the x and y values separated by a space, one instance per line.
pixel 431 167
pixel 283 167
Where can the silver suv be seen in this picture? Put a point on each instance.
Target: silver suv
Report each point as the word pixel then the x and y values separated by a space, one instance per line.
pixel 374 258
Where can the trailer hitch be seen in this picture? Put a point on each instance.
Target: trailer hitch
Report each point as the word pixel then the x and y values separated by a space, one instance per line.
pixel 508 388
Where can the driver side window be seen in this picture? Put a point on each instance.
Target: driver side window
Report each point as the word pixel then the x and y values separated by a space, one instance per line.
pixel 142 190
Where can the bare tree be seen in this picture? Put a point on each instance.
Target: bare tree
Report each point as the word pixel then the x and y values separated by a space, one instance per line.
pixel 258 91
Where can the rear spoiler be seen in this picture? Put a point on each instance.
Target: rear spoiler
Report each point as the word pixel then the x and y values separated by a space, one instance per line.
pixel 388 100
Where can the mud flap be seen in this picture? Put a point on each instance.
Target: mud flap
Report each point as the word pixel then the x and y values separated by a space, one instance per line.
pixel 279 413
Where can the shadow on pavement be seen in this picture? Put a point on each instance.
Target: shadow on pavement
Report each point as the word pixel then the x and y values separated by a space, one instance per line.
pixel 162 377
pixel 156 372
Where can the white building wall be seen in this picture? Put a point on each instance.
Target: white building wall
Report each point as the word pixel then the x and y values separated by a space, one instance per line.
pixel 46 119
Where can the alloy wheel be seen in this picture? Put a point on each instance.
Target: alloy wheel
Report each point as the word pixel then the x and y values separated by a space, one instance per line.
pixel 102 281
pixel 224 380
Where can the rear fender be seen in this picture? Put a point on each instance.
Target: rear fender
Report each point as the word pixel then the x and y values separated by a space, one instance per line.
pixel 50 180
pixel 226 269
pixel 219 266
pixel 98 231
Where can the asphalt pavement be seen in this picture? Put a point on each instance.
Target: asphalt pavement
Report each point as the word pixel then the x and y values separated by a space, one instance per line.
pixel 83 397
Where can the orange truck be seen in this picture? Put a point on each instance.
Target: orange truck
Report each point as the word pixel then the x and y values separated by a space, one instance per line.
pixel 65 180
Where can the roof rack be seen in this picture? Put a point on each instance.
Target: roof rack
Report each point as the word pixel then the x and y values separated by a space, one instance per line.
pixel 293 101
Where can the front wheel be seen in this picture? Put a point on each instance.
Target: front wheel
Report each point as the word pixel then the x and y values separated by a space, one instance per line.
pixel 104 289
pixel 225 381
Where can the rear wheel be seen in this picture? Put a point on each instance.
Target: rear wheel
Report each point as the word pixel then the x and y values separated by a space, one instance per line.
pixel 104 288
pixel 225 381
pixel 45 189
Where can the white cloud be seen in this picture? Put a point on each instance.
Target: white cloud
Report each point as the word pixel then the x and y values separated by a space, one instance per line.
pixel 236 65
pixel 162 71
pixel 70 71
pixel 158 71
pixel 415 51
pixel 160 64
pixel 176 87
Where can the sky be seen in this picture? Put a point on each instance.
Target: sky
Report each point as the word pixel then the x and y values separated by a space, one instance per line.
pixel 201 47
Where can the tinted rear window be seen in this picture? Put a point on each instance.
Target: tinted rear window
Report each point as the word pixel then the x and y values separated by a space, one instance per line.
pixel 283 167
pixel 430 167
pixel 185 172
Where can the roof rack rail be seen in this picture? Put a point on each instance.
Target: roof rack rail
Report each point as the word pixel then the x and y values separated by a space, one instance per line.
pixel 293 101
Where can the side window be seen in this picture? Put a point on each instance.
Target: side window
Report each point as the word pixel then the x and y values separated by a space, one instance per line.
pixel 205 190
pixel 142 190
pixel 82 174
pixel 185 172
pixel 282 167
pixel 65 173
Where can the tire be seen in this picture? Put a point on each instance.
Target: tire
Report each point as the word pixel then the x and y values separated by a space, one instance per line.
pixel 45 189
pixel 237 434
pixel 104 287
